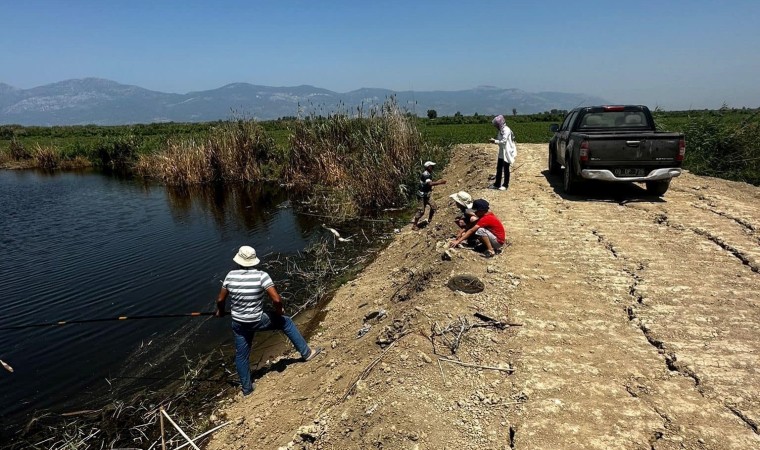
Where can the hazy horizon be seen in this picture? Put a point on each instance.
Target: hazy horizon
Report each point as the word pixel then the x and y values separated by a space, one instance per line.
pixel 676 54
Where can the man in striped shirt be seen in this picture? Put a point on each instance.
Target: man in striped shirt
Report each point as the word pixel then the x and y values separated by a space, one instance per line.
pixel 245 288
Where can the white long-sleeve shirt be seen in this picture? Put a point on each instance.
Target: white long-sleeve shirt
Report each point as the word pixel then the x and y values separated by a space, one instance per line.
pixel 507 148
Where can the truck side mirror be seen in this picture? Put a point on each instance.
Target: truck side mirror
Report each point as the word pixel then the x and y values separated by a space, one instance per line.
pixel 554 128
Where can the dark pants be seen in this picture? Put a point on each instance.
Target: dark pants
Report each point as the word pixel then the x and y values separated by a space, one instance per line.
pixel 502 167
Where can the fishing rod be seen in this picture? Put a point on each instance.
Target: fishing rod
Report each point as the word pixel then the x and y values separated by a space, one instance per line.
pixel 106 319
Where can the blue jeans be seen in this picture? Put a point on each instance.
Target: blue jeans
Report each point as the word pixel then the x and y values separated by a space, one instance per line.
pixel 244 335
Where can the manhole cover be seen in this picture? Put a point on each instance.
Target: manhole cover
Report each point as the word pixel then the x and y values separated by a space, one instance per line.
pixel 469 284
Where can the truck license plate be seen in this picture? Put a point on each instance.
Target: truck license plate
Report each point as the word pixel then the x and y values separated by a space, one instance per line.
pixel 628 172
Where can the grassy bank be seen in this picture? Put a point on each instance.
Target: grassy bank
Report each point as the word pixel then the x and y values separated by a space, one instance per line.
pixel 723 143
pixel 720 143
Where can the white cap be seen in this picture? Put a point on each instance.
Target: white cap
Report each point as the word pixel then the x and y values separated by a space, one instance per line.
pixel 428 164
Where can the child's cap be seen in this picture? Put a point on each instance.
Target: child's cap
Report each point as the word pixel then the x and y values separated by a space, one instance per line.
pixel 480 205
pixel 463 198
pixel 428 164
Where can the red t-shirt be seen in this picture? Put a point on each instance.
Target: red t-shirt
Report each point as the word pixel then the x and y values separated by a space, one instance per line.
pixel 492 223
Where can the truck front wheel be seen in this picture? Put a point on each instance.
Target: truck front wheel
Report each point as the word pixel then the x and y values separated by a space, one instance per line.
pixel 554 166
pixel 658 188
pixel 570 179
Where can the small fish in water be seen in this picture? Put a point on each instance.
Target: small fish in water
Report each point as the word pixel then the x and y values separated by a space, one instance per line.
pixel 6 366
pixel 336 234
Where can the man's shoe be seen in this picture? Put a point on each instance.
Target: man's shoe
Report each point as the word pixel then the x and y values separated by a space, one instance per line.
pixel 313 353
pixel 503 188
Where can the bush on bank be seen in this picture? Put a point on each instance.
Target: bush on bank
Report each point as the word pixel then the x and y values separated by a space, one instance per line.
pixel 234 151
pixel 355 165
pixel 724 143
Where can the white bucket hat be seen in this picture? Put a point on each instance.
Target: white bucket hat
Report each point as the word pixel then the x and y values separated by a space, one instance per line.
pixel 428 164
pixel 246 257
pixel 463 198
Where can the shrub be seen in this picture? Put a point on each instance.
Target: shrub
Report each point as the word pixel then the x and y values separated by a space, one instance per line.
pixel 716 146
pixel 18 151
pixel 118 153
pixel 46 157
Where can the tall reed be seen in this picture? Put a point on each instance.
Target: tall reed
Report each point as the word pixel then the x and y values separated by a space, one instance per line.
pixel 46 157
pixel 233 151
pixel 352 166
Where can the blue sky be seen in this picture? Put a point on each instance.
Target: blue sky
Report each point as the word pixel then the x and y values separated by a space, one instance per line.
pixel 675 54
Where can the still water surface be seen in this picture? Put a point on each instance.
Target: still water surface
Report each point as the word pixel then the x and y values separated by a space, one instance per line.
pixel 86 245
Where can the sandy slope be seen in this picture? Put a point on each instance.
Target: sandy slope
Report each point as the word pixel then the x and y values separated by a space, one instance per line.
pixel 641 328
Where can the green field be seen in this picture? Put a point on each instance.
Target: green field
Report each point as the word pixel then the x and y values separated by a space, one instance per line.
pixel 449 134
pixel 723 143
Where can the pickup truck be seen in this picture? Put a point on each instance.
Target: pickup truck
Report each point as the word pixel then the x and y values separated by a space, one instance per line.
pixel 615 143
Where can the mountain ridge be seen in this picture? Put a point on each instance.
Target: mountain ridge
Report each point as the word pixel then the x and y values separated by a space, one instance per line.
pixel 101 101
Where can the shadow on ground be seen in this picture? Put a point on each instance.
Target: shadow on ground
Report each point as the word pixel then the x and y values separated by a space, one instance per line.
pixel 278 366
pixel 601 191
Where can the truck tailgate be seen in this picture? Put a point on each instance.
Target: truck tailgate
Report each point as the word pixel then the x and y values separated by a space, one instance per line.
pixel 632 147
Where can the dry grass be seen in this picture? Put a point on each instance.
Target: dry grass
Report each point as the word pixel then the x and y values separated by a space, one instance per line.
pixel 354 165
pixel 41 157
pixel 234 151
pixel 46 157
pixel 134 423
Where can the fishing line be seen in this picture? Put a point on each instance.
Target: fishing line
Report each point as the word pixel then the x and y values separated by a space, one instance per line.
pixel 106 319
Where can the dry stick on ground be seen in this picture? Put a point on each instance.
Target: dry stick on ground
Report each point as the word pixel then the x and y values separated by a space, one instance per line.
pixel 459 328
pixel 204 434
pixel 456 329
pixel 190 441
pixel 369 368
pixel 441 367
pixel 454 361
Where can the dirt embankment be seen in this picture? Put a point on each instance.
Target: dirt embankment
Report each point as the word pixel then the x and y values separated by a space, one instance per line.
pixel 640 328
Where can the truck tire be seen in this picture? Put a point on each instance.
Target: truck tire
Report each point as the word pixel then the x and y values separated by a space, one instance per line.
pixel 658 188
pixel 554 167
pixel 570 179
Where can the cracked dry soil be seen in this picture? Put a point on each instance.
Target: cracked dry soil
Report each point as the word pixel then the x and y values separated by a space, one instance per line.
pixel 640 328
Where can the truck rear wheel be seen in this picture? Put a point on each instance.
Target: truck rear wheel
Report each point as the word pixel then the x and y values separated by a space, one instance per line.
pixel 658 188
pixel 554 167
pixel 570 180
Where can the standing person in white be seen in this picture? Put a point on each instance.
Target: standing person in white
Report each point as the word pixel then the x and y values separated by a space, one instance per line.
pixel 507 152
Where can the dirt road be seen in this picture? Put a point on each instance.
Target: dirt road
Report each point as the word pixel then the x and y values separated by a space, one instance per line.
pixel 640 328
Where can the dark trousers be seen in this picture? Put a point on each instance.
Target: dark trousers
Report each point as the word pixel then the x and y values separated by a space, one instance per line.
pixel 502 167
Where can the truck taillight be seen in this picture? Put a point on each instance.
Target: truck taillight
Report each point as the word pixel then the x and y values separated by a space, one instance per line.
pixel 585 152
pixel 681 150
pixel 613 108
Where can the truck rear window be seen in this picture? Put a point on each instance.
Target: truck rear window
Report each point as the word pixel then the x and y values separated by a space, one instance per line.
pixel 614 119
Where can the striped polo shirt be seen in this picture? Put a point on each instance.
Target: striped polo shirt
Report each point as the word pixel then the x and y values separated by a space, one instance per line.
pixel 246 291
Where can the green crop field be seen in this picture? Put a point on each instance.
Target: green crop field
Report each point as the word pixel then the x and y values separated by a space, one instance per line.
pixel 467 133
pixel 720 143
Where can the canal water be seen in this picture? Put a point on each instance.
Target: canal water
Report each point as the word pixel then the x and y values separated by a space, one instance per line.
pixel 88 246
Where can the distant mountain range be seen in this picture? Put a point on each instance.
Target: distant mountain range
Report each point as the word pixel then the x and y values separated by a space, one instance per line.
pixel 105 102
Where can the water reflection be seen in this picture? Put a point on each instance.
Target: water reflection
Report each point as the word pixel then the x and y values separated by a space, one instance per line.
pixel 247 205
